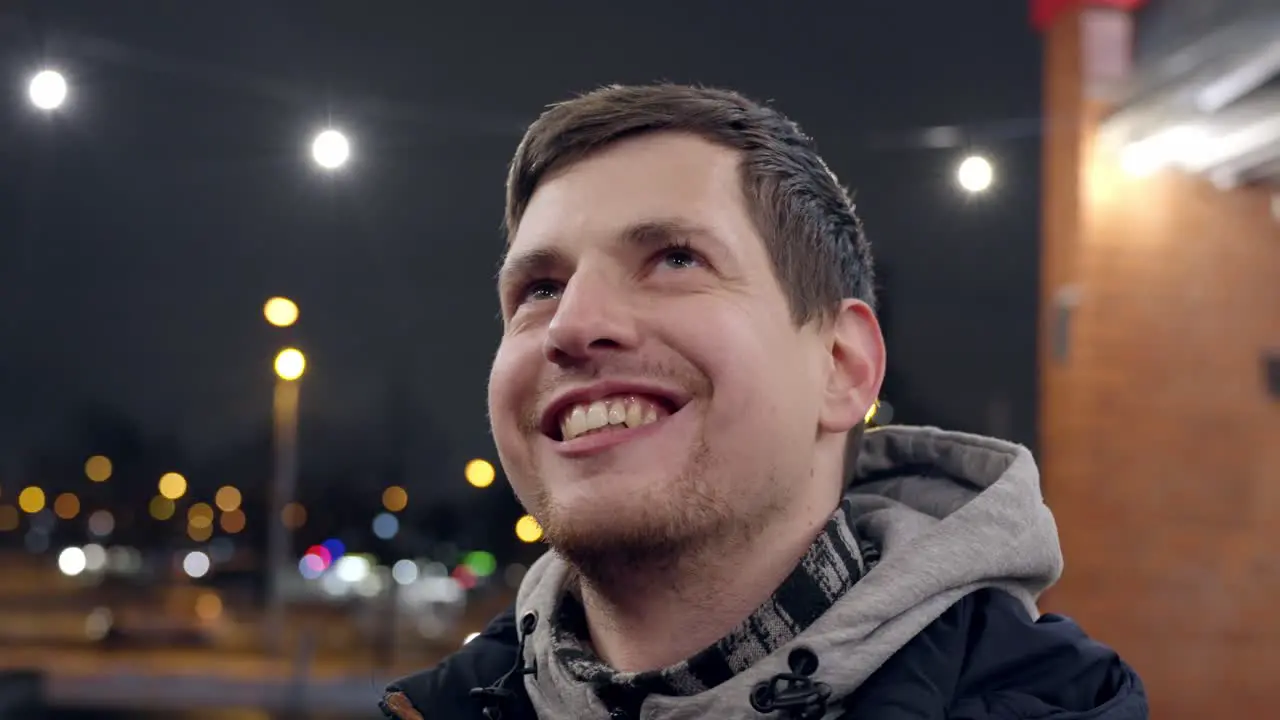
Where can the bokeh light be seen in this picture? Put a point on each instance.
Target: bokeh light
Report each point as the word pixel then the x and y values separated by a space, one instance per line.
pixel 232 521
pixel 464 577
pixel 528 530
pixel 98 468
pixel 196 564
pixel 48 90
pixel 352 568
pixel 200 533
pixel 200 515
pixel 8 518
pixel 161 507
pixel 335 547
pixel 480 473
pixel 385 526
pixel 322 552
pixel 404 572
pixel 208 606
pixel 294 515
pixel 95 557
pixel 290 364
pixel 480 562
pixel 66 506
pixel 280 311
pixel 311 567
pixel 227 498
pixel 172 485
pixel 102 523
pixel 975 174
pixel 31 500
pixel 331 149
pixel 395 498
pixel 71 561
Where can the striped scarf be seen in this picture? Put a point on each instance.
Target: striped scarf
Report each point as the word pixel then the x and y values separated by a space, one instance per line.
pixel 836 560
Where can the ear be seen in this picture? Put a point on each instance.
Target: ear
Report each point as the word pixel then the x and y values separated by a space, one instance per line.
pixel 857 367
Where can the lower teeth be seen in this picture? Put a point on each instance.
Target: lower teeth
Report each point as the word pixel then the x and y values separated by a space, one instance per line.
pixel 599 430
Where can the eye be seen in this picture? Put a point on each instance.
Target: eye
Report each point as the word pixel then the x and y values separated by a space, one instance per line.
pixel 679 257
pixel 540 290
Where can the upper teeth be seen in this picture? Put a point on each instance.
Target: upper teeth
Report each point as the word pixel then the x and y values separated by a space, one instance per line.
pixel 620 410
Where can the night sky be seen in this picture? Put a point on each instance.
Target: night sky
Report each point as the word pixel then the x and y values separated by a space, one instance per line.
pixel 143 225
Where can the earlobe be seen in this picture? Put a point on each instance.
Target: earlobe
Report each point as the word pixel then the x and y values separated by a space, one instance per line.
pixel 857 367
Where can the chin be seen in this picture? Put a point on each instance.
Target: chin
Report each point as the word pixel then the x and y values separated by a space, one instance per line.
pixel 648 497
pixel 607 545
pixel 600 515
pixel 629 527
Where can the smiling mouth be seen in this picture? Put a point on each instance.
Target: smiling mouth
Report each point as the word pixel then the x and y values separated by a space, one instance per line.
pixel 616 412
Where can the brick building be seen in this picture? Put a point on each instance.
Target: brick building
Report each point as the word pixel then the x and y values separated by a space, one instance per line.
pixel 1160 325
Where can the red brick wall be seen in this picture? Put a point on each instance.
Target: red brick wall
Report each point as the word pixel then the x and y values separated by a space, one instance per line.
pixel 1160 448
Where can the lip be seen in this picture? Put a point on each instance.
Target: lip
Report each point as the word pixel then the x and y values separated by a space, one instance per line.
pixel 549 420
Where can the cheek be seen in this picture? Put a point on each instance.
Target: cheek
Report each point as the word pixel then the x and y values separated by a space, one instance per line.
pixel 759 378
pixel 741 377
pixel 512 381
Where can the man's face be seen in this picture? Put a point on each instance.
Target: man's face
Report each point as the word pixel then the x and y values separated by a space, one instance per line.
pixel 651 392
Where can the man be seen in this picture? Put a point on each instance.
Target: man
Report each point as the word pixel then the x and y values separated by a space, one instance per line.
pixel 689 351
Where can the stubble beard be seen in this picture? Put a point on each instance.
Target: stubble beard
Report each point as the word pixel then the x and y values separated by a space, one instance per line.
pixel 657 533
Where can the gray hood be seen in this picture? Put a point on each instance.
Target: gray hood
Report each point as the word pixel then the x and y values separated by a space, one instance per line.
pixel 951 513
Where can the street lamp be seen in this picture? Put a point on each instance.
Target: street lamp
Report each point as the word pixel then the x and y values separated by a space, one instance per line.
pixel 289 365
pixel 975 174
pixel 48 90
pixel 331 150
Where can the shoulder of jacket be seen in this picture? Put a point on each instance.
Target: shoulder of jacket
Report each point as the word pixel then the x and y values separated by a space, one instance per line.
pixel 1016 667
pixel 986 658
pixel 446 688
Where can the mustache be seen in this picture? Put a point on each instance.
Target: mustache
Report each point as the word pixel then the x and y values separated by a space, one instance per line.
pixel 682 375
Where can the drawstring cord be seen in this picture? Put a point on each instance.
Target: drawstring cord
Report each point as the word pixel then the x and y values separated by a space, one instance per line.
pixel 497 697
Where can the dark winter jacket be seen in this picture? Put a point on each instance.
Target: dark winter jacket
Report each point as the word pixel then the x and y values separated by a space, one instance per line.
pixel 944 627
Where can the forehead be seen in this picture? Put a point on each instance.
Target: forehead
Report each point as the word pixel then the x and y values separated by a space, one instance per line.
pixel 663 176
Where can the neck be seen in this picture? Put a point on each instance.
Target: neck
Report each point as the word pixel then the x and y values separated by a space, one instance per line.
pixel 656 615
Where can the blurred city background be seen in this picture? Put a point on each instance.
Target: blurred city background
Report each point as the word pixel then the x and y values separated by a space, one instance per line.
pixel 247 312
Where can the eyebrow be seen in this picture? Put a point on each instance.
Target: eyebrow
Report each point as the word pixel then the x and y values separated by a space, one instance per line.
pixel 644 235
pixel 538 262
pixel 658 233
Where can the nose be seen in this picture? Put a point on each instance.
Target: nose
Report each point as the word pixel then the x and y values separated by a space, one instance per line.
pixel 593 317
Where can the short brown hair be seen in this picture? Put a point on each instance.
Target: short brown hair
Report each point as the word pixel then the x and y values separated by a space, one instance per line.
pixel 811 232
